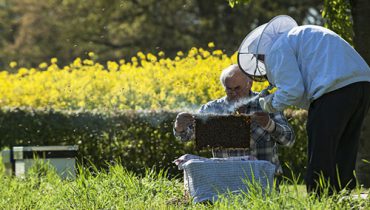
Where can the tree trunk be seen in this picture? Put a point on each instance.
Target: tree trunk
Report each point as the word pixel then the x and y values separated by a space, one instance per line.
pixel 361 19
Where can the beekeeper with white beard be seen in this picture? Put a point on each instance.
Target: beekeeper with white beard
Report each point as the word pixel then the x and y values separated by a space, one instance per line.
pixel 313 68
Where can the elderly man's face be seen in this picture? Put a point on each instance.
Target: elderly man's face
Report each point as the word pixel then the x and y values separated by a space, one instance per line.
pixel 237 86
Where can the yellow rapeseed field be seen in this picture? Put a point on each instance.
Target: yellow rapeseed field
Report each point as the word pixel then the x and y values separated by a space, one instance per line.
pixel 147 81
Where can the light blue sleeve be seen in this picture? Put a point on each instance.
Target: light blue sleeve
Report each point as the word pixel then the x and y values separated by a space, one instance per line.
pixel 284 72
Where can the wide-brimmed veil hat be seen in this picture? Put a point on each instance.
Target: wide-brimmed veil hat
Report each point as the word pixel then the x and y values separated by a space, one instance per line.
pixel 259 42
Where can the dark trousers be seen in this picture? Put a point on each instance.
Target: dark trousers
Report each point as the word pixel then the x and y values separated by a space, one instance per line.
pixel 333 127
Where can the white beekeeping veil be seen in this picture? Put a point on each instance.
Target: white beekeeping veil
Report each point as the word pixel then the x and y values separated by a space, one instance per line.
pixel 259 42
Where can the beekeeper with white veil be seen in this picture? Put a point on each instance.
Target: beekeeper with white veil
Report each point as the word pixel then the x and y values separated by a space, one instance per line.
pixel 315 69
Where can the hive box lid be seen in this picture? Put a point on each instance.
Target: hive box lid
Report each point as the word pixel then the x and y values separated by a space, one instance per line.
pixel 29 152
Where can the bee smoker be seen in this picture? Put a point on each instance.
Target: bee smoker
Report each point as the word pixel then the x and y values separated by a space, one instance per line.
pixel 266 91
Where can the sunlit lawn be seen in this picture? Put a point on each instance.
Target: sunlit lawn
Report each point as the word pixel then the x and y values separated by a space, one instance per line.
pixel 121 189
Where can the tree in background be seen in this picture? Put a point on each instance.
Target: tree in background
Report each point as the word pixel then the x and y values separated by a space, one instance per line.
pixel 361 18
pixel 33 31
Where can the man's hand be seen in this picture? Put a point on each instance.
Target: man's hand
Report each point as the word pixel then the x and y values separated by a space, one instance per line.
pixel 183 121
pixel 266 103
pixel 261 118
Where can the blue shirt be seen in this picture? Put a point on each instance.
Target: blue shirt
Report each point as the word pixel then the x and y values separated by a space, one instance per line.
pixel 309 61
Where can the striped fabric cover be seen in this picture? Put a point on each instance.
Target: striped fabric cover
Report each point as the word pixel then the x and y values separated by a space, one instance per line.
pixel 207 179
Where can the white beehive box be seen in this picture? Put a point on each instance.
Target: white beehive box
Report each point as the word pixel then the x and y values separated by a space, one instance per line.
pixel 62 158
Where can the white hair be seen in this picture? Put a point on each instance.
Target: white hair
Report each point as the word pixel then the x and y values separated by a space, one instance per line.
pixel 230 72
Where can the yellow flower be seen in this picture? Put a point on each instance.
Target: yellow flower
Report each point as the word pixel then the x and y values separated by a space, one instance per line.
pixel 43 65
pixel 141 55
pixel 180 53
pixel 112 66
pixel 22 72
pixel 134 59
pixel 88 62
pixel 217 52
pixel 32 71
pixel 161 54
pixel 91 54
pixel 77 62
pixel 151 57
pixel 66 68
pixel 234 57
pixel 185 81
pixel 205 54
pixel 13 64
pixel 81 104
pixel 54 60
pixel 193 51
pixel 211 45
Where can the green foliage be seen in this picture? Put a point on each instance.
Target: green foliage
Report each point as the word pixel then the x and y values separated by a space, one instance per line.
pixel 33 31
pixel 337 16
pixel 232 3
pixel 294 159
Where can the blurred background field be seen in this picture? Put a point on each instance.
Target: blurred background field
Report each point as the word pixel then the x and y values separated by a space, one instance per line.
pixel 111 75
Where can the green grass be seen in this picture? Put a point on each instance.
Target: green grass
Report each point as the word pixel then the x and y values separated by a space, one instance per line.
pixel 121 189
